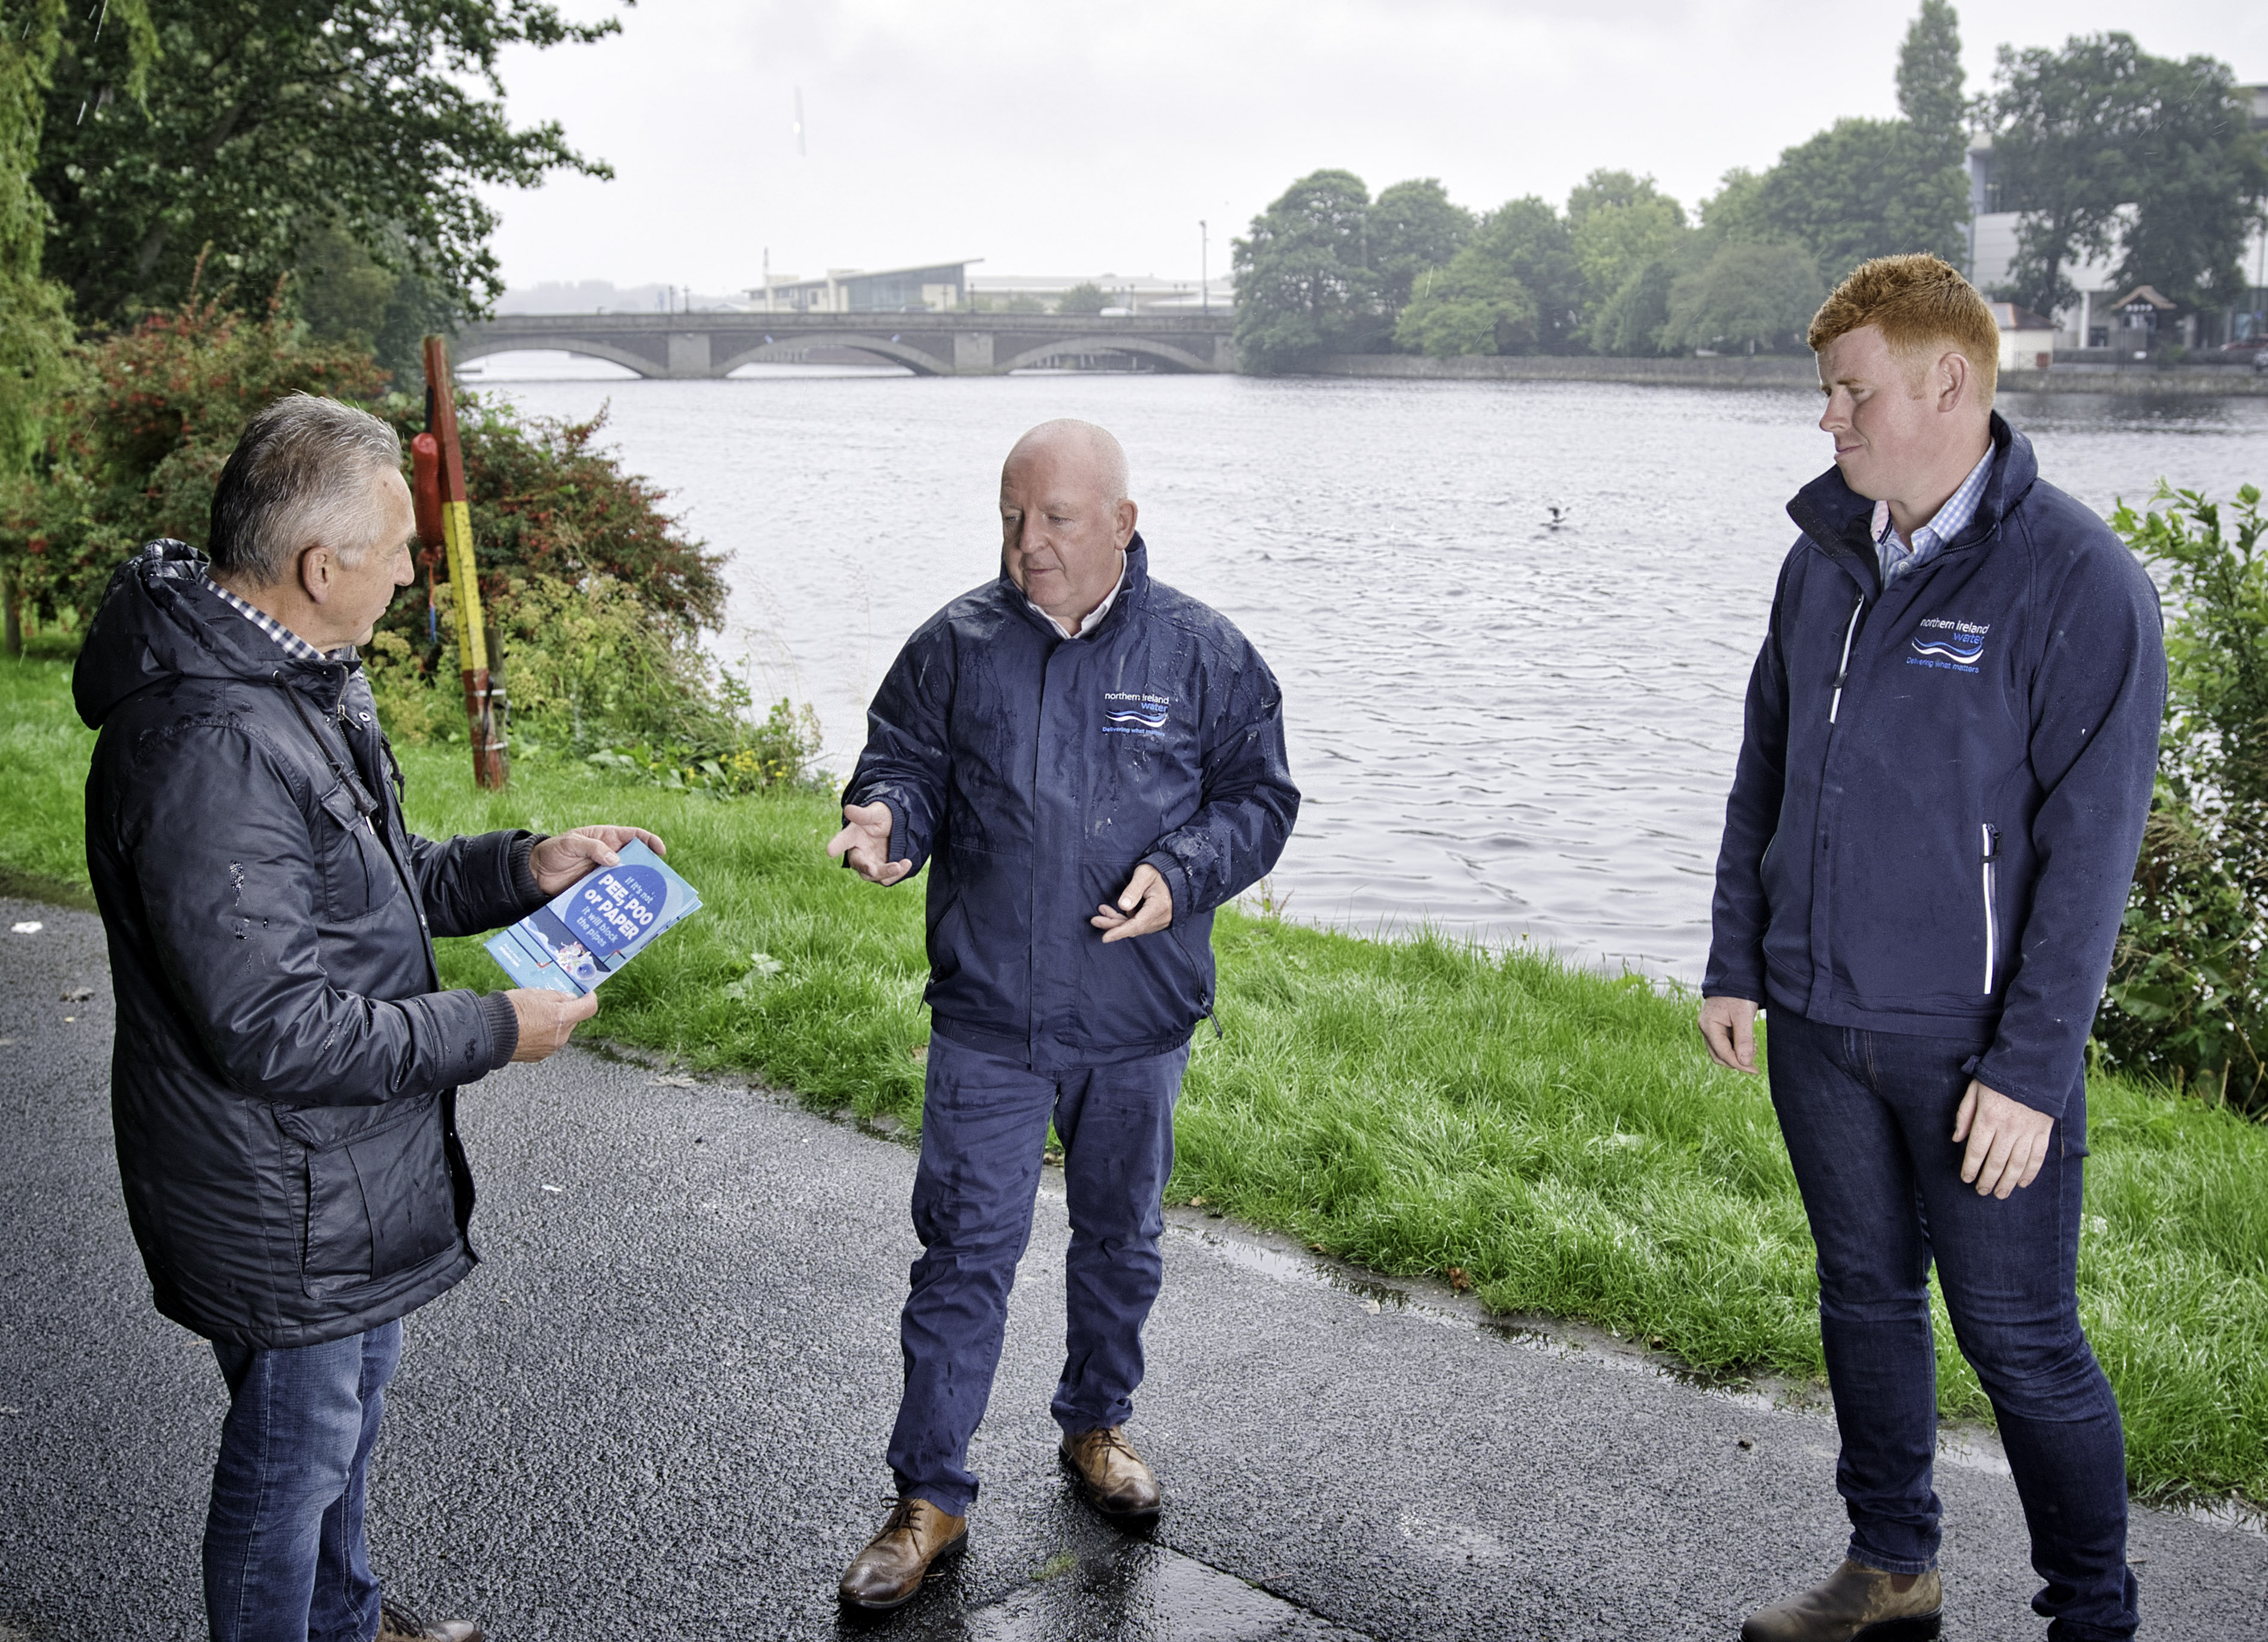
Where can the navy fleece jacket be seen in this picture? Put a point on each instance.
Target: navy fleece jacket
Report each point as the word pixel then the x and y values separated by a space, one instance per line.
pixel 1938 838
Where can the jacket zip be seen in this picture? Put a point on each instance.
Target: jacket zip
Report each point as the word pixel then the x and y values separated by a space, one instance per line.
pixel 1843 668
pixel 1990 839
pixel 1196 977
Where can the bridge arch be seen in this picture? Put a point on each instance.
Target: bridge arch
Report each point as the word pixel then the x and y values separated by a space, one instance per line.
pixel 1181 358
pixel 915 359
pixel 471 348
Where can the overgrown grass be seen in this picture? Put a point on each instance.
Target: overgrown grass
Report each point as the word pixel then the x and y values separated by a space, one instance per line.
pixel 1416 1106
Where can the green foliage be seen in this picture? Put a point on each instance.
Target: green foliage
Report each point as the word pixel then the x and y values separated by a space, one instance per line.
pixel 1930 80
pixel 1474 306
pixel 1414 227
pixel 138 436
pixel 1086 297
pixel 1629 324
pixel 346 295
pixel 2082 132
pixel 1304 286
pixel 1529 240
pixel 273 118
pixel 1617 224
pixel 34 332
pixel 1865 188
pixel 2188 999
pixel 1755 297
pixel 1734 213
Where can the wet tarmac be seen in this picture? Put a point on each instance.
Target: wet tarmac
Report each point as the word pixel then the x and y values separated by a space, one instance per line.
pixel 657 1411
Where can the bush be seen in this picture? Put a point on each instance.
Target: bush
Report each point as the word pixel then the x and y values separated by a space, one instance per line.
pixel 599 599
pixel 2185 1003
pixel 138 436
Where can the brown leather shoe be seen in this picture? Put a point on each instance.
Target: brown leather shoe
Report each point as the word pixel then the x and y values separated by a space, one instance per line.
pixel 1116 1481
pixel 397 1624
pixel 1856 1604
pixel 916 1538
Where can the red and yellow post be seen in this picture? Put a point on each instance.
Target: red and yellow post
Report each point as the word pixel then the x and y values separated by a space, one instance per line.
pixel 437 451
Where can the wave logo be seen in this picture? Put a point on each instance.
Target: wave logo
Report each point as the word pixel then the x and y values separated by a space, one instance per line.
pixel 1963 650
pixel 1129 712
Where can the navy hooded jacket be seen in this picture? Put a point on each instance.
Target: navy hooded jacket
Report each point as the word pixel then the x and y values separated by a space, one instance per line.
pixel 1937 836
pixel 1035 773
pixel 283 1083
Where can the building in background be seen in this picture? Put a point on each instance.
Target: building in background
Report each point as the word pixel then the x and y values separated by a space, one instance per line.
pixel 2027 340
pixel 931 288
pixel 2107 320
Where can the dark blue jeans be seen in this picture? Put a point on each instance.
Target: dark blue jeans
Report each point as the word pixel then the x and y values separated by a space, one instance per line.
pixel 985 1124
pixel 1869 1118
pixel 284 1556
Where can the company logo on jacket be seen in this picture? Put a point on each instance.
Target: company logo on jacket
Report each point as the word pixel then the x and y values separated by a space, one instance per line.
pixel 1125 713
pixel 1957 646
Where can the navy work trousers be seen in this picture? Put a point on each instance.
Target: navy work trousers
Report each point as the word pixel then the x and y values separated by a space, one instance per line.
pixel 1869 1117
pixel 285 1560
pixel 985 1124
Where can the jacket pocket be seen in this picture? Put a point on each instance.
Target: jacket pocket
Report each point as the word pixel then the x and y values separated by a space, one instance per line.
pixel 357 873
pixel 1989 842
pixel 1136 991
pixel 380 1202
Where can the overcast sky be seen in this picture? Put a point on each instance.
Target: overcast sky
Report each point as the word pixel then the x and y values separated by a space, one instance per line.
pixel 1064 136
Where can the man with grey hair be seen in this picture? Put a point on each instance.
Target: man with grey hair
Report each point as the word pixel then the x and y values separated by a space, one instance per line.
pixel 284 1082
pixel 1091 763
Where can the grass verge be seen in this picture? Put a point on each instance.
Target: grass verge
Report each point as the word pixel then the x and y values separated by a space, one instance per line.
pixel 1550 1137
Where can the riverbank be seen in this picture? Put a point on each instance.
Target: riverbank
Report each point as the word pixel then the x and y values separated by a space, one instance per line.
pixel 1566 1151
pixel 1783 371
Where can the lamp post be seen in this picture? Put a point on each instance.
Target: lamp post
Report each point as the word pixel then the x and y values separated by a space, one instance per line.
pixel 1205 273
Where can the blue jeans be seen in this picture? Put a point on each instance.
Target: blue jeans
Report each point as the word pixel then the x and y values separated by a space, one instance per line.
pixel 1868 1119
pixel 985 1124
pixel 284 1556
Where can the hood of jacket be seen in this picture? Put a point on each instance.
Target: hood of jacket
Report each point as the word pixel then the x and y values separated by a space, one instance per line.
pixel 158 624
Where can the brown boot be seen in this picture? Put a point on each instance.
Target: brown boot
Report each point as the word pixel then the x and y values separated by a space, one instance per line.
pixel 1857 1604
pixel 397 1624
pixel 1116 1481
pixel 887 1573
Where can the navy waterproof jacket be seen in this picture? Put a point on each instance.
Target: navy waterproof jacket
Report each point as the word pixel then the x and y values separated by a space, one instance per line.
pixel 283 1080
pixel 1941 788
pixel 1035 773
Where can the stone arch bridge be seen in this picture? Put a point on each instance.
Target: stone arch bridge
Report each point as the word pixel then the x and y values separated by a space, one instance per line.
pixel 684 345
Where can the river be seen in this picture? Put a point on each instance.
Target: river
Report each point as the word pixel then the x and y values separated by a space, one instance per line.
pixel 1502 728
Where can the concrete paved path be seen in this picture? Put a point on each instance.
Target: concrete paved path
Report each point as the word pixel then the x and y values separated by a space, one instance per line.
pixel 659 1408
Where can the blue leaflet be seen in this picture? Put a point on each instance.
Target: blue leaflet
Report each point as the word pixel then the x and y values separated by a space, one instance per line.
pixel 585 933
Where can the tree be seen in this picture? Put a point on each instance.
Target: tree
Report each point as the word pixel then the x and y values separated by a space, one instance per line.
pixel 1086 297
pixel 275 119
pixel 1735 214
pixel 1529 241
pixel 1629 322
pixel 2201 175
pixel 1930 81
pixel 2101 144
pixel 33 330
pixel 1865 188
pixel 1617 225
pixel 1474 305
pixel 2064 126
pixel 1747 296
pixel 1414 226
pixel 1303 287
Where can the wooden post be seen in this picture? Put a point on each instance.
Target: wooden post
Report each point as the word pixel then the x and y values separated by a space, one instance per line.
pixel 490 767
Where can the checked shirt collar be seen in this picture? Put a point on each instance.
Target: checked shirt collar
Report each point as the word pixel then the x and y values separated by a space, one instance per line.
pixel 1898 556
pixel 298 648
